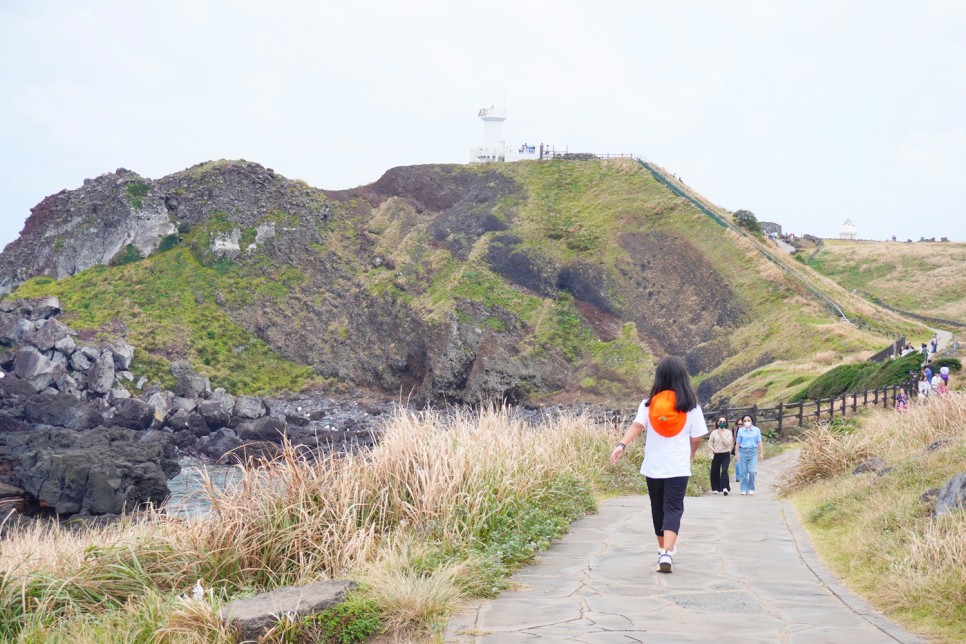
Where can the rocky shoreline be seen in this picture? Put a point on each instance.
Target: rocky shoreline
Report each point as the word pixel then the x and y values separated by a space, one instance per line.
pixel 79 437
pixel 75 440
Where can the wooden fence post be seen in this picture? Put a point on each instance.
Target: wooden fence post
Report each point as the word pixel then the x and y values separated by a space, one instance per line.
pixel 831 407
pixel 844 405
pixel 818 410
pixel 855 401
pixel 865 399
pixel 875 397
pixel 781 413
pixel 801 414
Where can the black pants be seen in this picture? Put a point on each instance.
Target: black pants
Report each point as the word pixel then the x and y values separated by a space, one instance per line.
pixel 719 472
pixel 667 502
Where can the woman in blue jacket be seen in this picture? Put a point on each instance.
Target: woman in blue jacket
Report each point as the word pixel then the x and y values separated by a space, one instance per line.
pixel 750 448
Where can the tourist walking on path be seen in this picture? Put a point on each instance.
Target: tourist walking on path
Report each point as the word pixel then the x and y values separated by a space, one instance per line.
pixel 720 443
pixel 675 424
pixel 750 447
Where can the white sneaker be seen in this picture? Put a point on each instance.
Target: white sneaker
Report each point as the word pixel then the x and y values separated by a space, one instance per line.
pixel 665 562
pixel 714 491
pixel 751 492
pixel 744 492
pixel 725 492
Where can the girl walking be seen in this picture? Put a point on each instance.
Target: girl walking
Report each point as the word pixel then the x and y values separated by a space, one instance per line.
pixel 720 443
pixel 675 424
pixel 750 448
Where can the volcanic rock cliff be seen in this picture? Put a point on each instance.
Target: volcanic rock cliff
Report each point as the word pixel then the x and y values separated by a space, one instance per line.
pixel 528 281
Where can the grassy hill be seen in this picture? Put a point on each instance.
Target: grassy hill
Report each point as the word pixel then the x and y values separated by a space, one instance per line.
pixel 878 532
pixel 924 277
pixel 551 281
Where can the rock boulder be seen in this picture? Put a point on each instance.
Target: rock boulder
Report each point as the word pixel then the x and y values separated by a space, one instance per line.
pixel 99 471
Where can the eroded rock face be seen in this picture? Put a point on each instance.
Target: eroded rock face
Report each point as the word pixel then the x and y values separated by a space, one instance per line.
pixel 334 320
pixel 76 229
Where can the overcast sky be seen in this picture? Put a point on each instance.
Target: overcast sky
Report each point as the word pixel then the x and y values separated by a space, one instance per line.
pixel 805 113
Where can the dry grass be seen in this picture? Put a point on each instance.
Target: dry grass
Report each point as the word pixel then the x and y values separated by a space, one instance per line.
pixel 447 485
pixel 875 531
pixel 922 278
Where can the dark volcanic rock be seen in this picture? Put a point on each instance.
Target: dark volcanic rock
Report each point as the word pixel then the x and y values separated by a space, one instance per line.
pixel 952 495
pixel 221 442
pixel 214 413
pixel 133 414
pixel 100 471
pixel 266 428
pixel 47 335
pixel 36 368
pixel 61 410
pixel 10 424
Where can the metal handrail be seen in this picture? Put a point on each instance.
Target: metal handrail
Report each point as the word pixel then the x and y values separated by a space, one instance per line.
pixel 686 194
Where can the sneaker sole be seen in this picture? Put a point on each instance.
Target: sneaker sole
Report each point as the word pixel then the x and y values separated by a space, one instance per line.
pixel 664 567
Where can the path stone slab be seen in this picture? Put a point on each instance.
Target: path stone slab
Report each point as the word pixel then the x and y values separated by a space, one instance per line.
pixel 744 571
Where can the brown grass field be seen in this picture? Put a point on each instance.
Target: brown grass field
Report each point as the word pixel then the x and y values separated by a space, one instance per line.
pixel 922 277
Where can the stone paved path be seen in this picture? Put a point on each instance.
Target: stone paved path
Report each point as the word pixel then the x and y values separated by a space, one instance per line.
pixel 744 572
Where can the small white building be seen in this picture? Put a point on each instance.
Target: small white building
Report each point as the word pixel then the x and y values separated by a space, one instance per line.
pixel 848 230
pixel 494 145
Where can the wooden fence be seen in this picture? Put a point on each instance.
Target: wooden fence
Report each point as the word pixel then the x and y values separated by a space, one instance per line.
pixel 795 415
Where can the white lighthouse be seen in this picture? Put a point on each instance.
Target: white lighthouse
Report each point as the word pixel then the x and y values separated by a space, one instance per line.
pixel 494 145
pixel 848 230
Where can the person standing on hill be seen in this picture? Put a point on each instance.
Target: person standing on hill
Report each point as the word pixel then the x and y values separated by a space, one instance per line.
pixel 675 424
pixel 750 448
pixel 924 385
pixel 902 401
pixel 720 443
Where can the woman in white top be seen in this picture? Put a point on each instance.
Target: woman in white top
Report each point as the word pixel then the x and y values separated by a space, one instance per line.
pixel 675 424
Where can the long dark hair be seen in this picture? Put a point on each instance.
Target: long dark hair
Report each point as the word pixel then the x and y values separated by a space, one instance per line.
pixel 673 374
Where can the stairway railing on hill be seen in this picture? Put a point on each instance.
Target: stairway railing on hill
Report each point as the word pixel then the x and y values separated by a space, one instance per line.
pixel 700 205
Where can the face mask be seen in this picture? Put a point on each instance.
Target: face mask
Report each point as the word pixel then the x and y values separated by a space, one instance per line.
pixel 722 425
pixel 747 423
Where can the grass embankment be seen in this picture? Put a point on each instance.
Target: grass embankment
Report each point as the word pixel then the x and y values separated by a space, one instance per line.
pixel 440 511
pixel 874 531
pixel 924 278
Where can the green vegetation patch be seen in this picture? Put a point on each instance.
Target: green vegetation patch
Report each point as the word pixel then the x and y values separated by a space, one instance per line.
pixel 126 255
pixel 136 192
pixel 860 376
pixel 168 304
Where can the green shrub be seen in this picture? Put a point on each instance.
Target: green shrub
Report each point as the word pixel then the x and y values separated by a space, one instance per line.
pixel 352 621
pixel 892 372
pixel 747 219
pixel 861 376
pixel 835 382
pixel 126 255
pixel 954 364
pixel 168 242
pixel 136 192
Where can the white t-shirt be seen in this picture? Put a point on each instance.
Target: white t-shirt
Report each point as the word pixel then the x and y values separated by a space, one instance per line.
pixel 665 458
